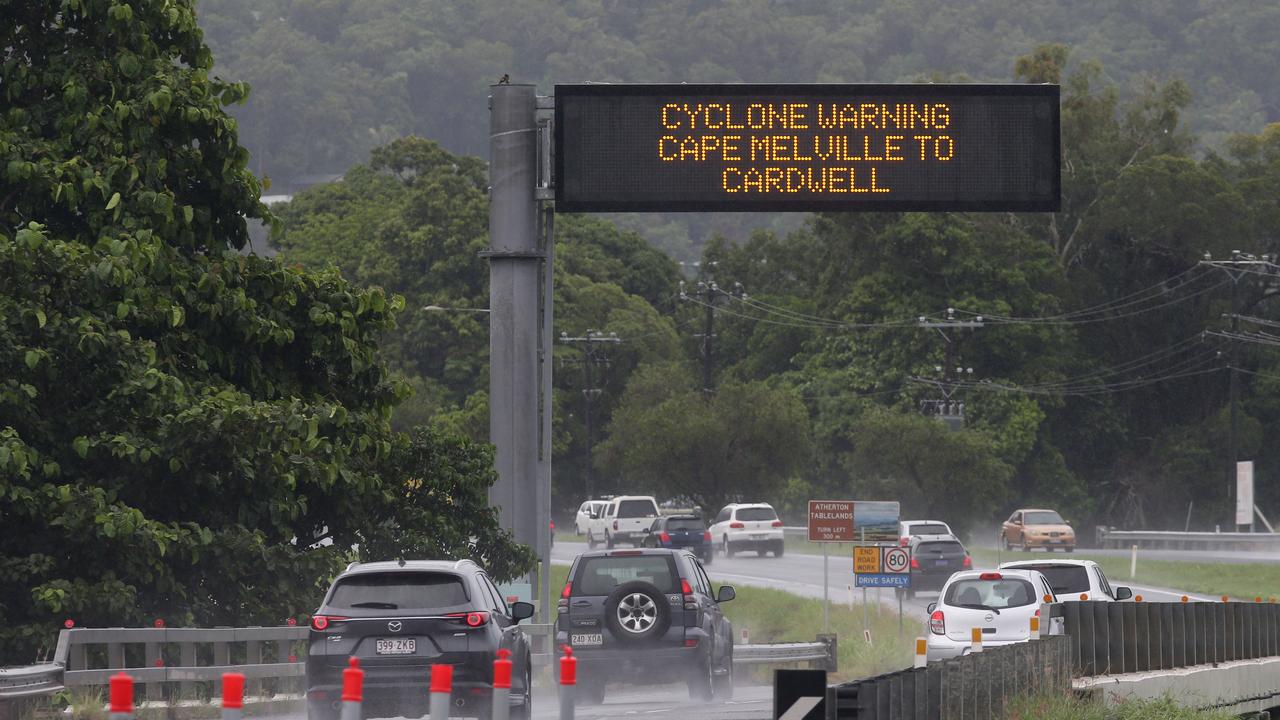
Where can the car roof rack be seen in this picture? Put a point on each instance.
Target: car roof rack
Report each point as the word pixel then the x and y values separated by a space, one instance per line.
pixel 464 561
pixel 352 565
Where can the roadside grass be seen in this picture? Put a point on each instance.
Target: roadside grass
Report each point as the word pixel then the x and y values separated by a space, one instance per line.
pixel 1239 581
pixel 1073 707
pixel 771 616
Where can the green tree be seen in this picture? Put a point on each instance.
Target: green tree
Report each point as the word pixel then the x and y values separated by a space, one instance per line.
pixel 742 443
pixel 179 423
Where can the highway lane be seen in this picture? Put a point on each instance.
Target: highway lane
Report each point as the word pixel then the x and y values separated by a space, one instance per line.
pixel 666 702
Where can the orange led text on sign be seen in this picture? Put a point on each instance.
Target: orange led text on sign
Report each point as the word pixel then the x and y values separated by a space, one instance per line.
pixel 826 158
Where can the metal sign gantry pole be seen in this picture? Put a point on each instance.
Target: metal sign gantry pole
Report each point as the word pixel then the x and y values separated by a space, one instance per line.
pixel 522 491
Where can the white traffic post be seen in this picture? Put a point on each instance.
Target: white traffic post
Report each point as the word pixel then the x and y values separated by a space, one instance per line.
pixel 568 683
pixel 441 689
pixel 975 640
pixel 1133 562
pixel 922 653
pixel 121 697
pixel 1035 627
pixel 501 686
pixel 232 696
pixel 352 690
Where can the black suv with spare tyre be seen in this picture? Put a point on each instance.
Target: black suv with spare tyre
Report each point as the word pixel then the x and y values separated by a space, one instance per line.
pixel 399 619
pixel 646 617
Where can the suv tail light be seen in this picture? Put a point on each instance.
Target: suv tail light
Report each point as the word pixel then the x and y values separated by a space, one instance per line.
pixel 990 576
pixel 664 537
pixel 562 605
pixel 938 623
pixel 776 523
pixel 904 541
pixel 615 524
pixel 322 622
pixel 915 563
pixel 707 536
pixel 968 563
pixel 472 619
pixel 689 602
pixel 736 526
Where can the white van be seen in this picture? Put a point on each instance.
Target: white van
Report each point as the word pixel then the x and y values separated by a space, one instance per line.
pixel 625 520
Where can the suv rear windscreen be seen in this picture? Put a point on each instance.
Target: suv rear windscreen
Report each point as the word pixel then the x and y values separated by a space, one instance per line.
pixel 398 590
pixel 1063 578
pixel 928 529
pixel 757 514
pixel 691 524
pixel 600 575
pixel 637 509
pixel 998 594
pixel 939 548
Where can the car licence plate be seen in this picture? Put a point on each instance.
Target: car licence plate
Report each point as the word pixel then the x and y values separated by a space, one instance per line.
pixel 397 646
pixel 758 536
pixel 586 639
pixel 942 563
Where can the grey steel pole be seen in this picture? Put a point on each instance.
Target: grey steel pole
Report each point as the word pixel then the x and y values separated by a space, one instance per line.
pixel 826 599
pixel 546 361
pixel 866 624
pixel 514 263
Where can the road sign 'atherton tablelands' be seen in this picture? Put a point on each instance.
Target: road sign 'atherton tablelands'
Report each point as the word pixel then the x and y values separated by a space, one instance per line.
pixel 927 147
pixel 831 521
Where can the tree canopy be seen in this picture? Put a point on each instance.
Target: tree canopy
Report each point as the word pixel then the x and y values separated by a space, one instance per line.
pixel 186 431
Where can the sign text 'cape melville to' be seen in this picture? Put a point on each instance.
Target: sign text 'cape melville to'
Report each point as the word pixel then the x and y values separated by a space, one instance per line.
pixel 919 147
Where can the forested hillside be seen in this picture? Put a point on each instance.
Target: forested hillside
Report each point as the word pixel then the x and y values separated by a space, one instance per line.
pixel 1097 382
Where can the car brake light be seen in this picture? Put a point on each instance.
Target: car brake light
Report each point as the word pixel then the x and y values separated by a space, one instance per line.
pixel 689 602
pixel 684 587
pixel 915 563
pixel 1037 612
pixel 904 541
pixel 968 562
pixel 664 537
pixel 776 523
pixel 990 576
pixel 707 536
pixel 472 619
pixel 322 622
pixel 691 642
pixel 625 553
pixel 736 526
pixel 938 623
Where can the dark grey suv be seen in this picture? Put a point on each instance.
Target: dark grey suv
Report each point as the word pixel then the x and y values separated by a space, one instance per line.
pixel 399 619
pixel 646 617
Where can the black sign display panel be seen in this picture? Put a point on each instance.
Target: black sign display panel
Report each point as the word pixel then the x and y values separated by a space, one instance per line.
pixel 923 147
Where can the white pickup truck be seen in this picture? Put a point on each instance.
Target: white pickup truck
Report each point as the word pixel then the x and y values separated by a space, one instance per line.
pixel 625 519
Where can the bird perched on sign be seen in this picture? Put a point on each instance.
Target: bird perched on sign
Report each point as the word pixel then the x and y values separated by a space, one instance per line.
pixel 505 79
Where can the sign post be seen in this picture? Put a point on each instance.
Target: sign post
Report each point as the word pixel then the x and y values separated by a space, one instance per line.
pixel 829 521
pixel 1244 493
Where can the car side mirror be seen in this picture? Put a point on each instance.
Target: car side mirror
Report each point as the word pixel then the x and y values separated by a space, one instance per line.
pixel 1123 593
pixel 647 531
pixel 725 593
pixel 1017 522
pixel 932 606
pixel 521 611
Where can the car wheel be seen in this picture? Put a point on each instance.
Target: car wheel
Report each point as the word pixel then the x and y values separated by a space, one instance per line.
pixel 779 548
pixel 723 683
pixel 1004 541
pixel 728 548
pixel 762 552
pixel 591 692
pixel 706 558
pixel 608 540
pixel 524 710
pixel 637 611
pixel 591 541
pixel 1069 549
pixel 700 680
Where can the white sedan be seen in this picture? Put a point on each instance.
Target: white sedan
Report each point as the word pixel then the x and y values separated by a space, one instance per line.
pixel 1074 579
pixel 1000 603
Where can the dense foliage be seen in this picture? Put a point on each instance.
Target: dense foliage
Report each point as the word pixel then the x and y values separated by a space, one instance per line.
pixel 186 432
pixel 336 78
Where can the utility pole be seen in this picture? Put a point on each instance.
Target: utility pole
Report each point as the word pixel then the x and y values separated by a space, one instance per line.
pixel 706 294
pixel 946 410
pixel 1236 268
pixel 592 345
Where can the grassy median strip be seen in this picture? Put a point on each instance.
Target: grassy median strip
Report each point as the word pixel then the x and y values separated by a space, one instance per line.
pixel 1240 581
pixel 772 616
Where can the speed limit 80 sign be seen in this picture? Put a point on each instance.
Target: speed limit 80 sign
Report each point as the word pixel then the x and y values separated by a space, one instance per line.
pixel 896 560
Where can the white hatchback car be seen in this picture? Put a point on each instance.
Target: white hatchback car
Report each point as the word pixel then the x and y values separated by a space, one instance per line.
pixel 748 526
pixel 909 528
pixel 1074 579
pixel 1000 603
pixel 585 511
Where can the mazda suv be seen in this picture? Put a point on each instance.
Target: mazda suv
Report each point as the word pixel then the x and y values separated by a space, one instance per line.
pixel 400 618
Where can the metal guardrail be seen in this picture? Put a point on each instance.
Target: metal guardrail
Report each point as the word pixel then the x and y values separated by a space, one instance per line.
pixel 1188 540
pixel 24 682
pixel 820 654
pixel 978 685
